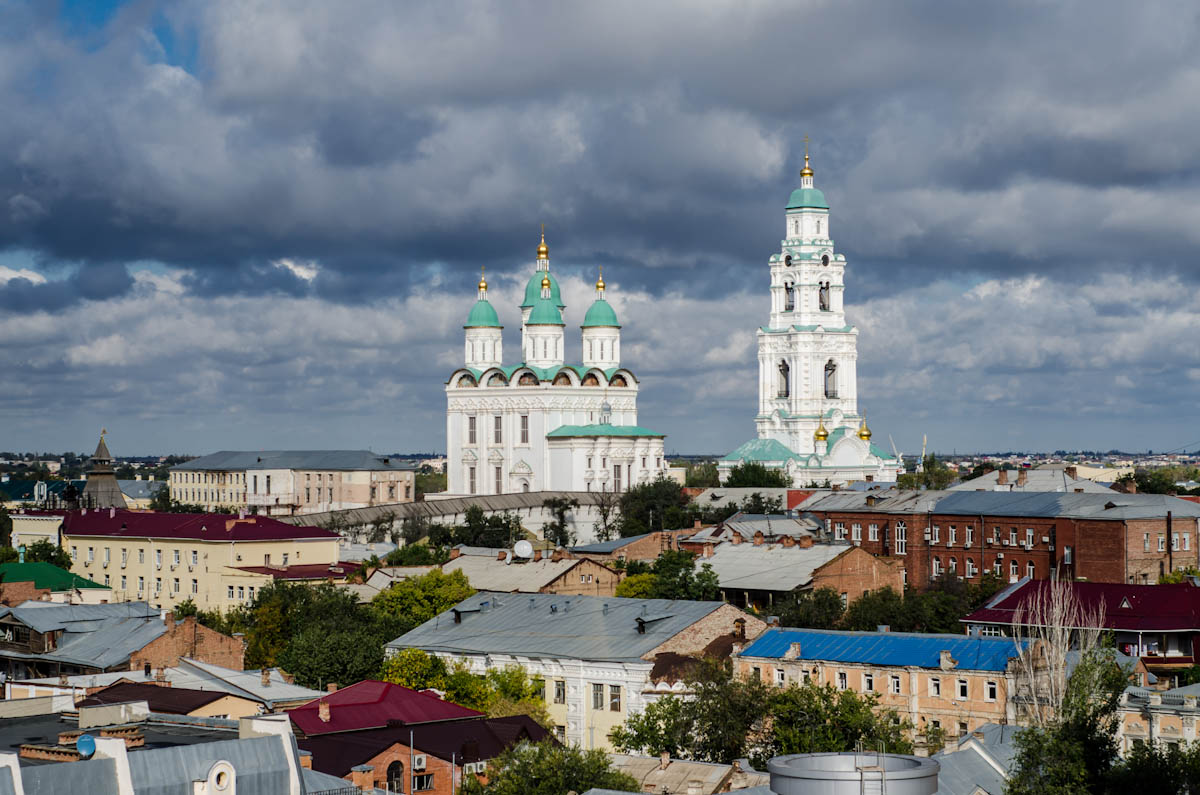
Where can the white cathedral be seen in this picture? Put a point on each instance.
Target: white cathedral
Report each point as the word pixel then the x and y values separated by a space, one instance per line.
pixel 541 424
pixel 808 420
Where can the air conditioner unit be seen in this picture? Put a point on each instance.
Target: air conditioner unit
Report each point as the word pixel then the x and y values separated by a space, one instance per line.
pixel 173 565
pixel 418 762
pixel 1045 539
pixel 1004 542
pixel 967 545
pixel 999 556
pixel 191 567
pixel 105 565
pixel 927 535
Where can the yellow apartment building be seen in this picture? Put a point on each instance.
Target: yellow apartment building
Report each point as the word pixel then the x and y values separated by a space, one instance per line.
pixel 290 482
pixel 216 560
pixel 953 682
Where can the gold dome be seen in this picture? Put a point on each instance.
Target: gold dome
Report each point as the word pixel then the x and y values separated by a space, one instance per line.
pixel 482 280
pixel 543 249
pixel 864 432
pixel 545 282
pixel 600 281
pixel 807 170
pixel 821 435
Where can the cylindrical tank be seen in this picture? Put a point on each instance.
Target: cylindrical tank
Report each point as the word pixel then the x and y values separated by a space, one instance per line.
pixel 853 774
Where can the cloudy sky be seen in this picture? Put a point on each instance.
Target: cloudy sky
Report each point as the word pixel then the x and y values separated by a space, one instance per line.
pixel 258 223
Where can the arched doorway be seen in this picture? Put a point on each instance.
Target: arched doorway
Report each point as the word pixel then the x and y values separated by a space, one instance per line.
pixel 395 777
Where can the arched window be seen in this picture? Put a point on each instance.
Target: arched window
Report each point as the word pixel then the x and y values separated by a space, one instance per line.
pixel 591 380
pixel 785 380
pixel 818 226
pixel 528 379
pixel 831 379
pixel 395 777
pixel 824 259
pixel 496 380
pixel 467 381
pixel 618 380
pixel 562 379
pixel 789 297
pixel 823 296
pixel 525 486
pixel 787 261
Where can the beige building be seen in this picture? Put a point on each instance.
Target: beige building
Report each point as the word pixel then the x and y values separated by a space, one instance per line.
pixel 953 682
pixel 498 570
pixel 290 482
pixel 216 560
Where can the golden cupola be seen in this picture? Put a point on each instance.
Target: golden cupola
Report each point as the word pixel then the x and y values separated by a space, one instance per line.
pixel 543 251
pixel 864 432
pixel 821 435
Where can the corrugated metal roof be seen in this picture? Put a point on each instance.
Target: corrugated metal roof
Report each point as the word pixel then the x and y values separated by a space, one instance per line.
pixel 341 460
pixel 1148 608
pixel 769 567
pixel 261 765
pixel 436 508
pixel 93 776
pixel 553 625
pixel 747 524
pixel 1107 505
pixel 371 704
pixel 490 574
pixel 887 648
pixel 1035 480
pixel 612 545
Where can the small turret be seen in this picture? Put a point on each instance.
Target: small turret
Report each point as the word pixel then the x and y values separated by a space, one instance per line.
pixel 484 334
pixel 601 332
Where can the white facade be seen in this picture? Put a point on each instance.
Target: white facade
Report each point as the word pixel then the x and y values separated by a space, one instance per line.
pixel 541 424
pixel 808 421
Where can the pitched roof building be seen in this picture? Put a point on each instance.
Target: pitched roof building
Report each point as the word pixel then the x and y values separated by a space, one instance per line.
pixel 102 489
pixel 560 575
pixel 595 654
pixel 173 700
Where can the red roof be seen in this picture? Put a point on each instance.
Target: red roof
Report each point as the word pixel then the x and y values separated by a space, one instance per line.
pixel 797 496
pixel 303 571
pixel 373 705
pixel 199 526
pixel 1146 608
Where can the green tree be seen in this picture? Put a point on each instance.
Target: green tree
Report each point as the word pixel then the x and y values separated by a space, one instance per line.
pixel 657 505
pixel 44 551
pixel 1155 767
pixel 481 530
pixel 751 474
pixel 558 532
pixel 5 527
pixel 758 504
pixel 676 577
pixel 418 599
pixel 810 718
pixel 637 586
pixel 429 482
pixel 417 555
pixel 549 768
pixel 817 609
pixel 933 475
pixel 883 606
pixel 498 693
pixel 320 655
pixel 703 475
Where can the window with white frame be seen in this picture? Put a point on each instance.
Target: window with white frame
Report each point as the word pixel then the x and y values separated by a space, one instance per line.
pixel 1174 544
pixel 901 538
pixel 1013 571
pixel 935 686
pixel 1162 543
pixel 1186 542
pixel 780 677
pixel 1066 555
pixel 1012 536
pixel 839 531
pixel 856 532
pixel 969 532
pixel 872 532
pixel 868 681
pixel 937 566
pixel 951 536
pixel 998 568
pixel 935 534
pixel 970 566
pixel 1145 542
pixel 1029 536
pixel 498 428
pixel 952 565
pixel 962 688
pixel 470 433
pixel 894 685
pixel 991 690
pixel 1030 570
pixel 841 680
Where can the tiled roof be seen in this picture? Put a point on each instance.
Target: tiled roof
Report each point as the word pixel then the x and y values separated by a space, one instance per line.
pixel 1146 608
pixel 168 700
pixel 887 648
pixel 372 705
pixel 340 460
pixel 553 625
pixel 198 526
pixel 45 575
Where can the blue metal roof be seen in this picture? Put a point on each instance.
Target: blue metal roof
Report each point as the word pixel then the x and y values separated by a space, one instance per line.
pixel 887 648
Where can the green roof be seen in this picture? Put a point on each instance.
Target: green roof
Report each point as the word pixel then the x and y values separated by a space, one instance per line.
pixel 546 373
pixel 600 313
pixel 807 197
pixel 761 450
pixel 483 316
pixel 45 575
pixel 533 291
pixel 601 430
pixel 545 313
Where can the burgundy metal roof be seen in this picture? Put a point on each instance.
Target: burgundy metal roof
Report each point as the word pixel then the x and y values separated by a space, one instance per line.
pixel 199 526
pixel 371 705
pixel 1144 608
pixel 169 700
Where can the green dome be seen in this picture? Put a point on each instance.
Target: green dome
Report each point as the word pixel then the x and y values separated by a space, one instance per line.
pixel 807 197
pixel 482 316
pixel 545 313
pixel 600 314
pixel 533 291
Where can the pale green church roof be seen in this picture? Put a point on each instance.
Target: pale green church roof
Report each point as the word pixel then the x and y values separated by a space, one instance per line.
pixel 483 315
pixel 763 451
pixel 533 291
pixel 545 313
pixel 807 197
pixel 600 313
pixel 602 430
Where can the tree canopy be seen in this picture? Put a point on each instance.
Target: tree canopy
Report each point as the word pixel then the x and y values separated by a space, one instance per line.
pixel 751 474
pixel 418 599
pixel 673 575
pixel 549 768
pixel 498 693
pixel 933 475
pixel 657 505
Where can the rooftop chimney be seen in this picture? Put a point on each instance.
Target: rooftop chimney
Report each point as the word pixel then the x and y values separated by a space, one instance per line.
pixel 112 513
pixel 1022 477
pixel 455 552
pixel 1073 473
pixel 266 677
pixel 736 537
pixel 169 621
pixel 804 542
pixel 945 661
pixel 323 711
pixel 331 687
pixel 694 787
pixel 501 554
pixel 1002 477
pixel 360 776
pixel 664 760
pixel 789 541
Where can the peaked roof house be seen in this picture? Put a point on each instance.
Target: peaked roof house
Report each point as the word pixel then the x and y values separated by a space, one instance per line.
pixel 977 763
pixel 551 574
pixel 174 700
pixel 45 581
pixel 402 739
pixel 598 656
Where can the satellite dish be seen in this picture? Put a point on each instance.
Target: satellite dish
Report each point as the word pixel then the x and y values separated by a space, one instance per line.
pixel 86 745
pixel 523 549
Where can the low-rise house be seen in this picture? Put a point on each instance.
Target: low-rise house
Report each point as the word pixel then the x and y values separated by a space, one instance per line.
pixel 756 529
pixel 21 582
pixel 217 561
pixel 388 736
pixel 594 654
pixel 977 763
pixel 856 572
pixel 272 688
pixel 1160 624
pixel 1060 479
pixel 664 774
pixel 557 573
pixel 39 639
pixel 952 682
pixel 756 575
pixel 169 700
pixel 646 546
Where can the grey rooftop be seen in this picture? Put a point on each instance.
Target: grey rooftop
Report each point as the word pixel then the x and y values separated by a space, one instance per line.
pixel 340 460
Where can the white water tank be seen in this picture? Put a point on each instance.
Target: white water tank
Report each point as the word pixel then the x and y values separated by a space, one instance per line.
pixel 863 773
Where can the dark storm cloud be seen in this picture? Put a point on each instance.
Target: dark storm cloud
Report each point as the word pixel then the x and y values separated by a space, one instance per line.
pixel 363 160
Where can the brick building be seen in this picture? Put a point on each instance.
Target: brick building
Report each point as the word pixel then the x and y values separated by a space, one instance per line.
pixel 646 546
pixel 498 570
pixel 1116 538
